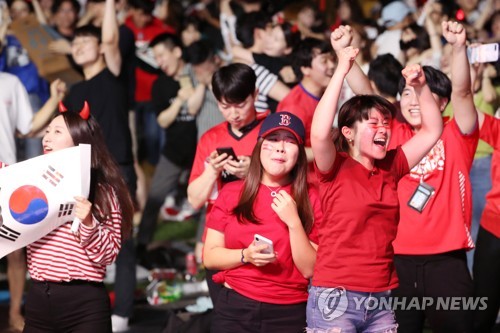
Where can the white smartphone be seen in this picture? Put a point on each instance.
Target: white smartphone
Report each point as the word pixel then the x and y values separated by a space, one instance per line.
pixel 260 240
pixel 483 53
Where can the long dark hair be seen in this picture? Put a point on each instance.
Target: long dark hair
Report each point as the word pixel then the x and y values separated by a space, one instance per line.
pixel 105 172
pixel 244 211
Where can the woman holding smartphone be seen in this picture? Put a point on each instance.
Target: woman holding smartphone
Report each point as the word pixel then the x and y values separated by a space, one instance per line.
pixel 265 292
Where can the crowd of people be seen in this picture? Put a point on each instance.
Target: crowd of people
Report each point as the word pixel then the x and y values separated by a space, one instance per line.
pixel 334 151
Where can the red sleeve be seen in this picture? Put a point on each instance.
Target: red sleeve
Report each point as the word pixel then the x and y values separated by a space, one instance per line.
pixel 199 159
pixel 400 133
pixel 490 131
pixel 325 177
pixel 400 165
pixel 102 241
pixel 221 210
pixel 318 214
pixel 466 143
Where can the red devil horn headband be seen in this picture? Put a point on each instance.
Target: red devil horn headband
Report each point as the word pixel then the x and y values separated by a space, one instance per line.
pixel 62 107
pixel 84 113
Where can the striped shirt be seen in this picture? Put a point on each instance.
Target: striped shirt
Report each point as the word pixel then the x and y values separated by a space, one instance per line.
pixel 265 81
pixel 61 256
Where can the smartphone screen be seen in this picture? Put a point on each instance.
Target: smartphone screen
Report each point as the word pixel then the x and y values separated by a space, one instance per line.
pixel 483 53
pixel 227 177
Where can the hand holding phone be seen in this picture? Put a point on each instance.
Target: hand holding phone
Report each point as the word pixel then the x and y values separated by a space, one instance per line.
pixel 228 150
pixel 483 53
pixel 261 240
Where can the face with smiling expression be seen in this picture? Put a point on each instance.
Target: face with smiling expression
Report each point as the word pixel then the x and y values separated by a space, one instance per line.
pixel 86 50
pixel 278 156
pixel 167 58
pixel 368 138
pixel 410 107
pixel 321 70
pixel 57 136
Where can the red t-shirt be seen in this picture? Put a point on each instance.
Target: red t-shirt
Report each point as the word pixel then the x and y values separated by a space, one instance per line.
pixel 361 212
pixel 222 136
pixel 144 79
pixel 279 282
pixel 444 223
pixel 490 132
pixel 302 104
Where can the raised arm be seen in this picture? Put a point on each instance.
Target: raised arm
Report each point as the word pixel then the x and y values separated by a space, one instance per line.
pixel 322 144
pixel 462 100
pixel 110 37
pixel 40 15
pixel 432 124
pixel 42 117
pixel 356 78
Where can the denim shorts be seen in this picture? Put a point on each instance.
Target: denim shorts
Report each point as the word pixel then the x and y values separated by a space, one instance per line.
pixel 336 310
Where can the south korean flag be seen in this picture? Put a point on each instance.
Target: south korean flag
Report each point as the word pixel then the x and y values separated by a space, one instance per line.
pixel 37 195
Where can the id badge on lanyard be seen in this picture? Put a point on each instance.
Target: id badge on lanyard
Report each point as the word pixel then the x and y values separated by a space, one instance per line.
pixel 421 196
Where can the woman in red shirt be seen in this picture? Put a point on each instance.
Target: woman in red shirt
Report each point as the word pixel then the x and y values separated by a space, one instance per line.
pixel 358 180
pixel 265 288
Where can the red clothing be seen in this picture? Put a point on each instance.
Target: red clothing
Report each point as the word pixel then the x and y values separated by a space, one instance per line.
pixel 279 282
pixel 361 212
pixel 302 103
pixel 490 132
pixel 444 223
pixel 222 136
pixel 144 80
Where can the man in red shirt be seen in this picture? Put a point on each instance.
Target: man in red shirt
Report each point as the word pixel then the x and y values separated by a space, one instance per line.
pixel 234 89
pixel 312 63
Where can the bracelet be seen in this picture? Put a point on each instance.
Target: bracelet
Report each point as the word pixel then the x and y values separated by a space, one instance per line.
pixel 243 257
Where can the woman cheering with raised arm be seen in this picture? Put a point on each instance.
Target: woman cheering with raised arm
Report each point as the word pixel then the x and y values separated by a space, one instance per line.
pixel 358 180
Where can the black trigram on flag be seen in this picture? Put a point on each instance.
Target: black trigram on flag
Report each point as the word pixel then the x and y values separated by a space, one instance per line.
pixel 65 209
pixel 52 176
pixel 8 233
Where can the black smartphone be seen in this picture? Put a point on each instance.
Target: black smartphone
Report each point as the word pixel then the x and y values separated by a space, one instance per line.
pixel 227 177
pixel 228 150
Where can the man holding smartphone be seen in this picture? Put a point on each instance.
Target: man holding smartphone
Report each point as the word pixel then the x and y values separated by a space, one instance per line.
pixel 234 89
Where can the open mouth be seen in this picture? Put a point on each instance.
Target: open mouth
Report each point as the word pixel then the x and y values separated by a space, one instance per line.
pixel 380 142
